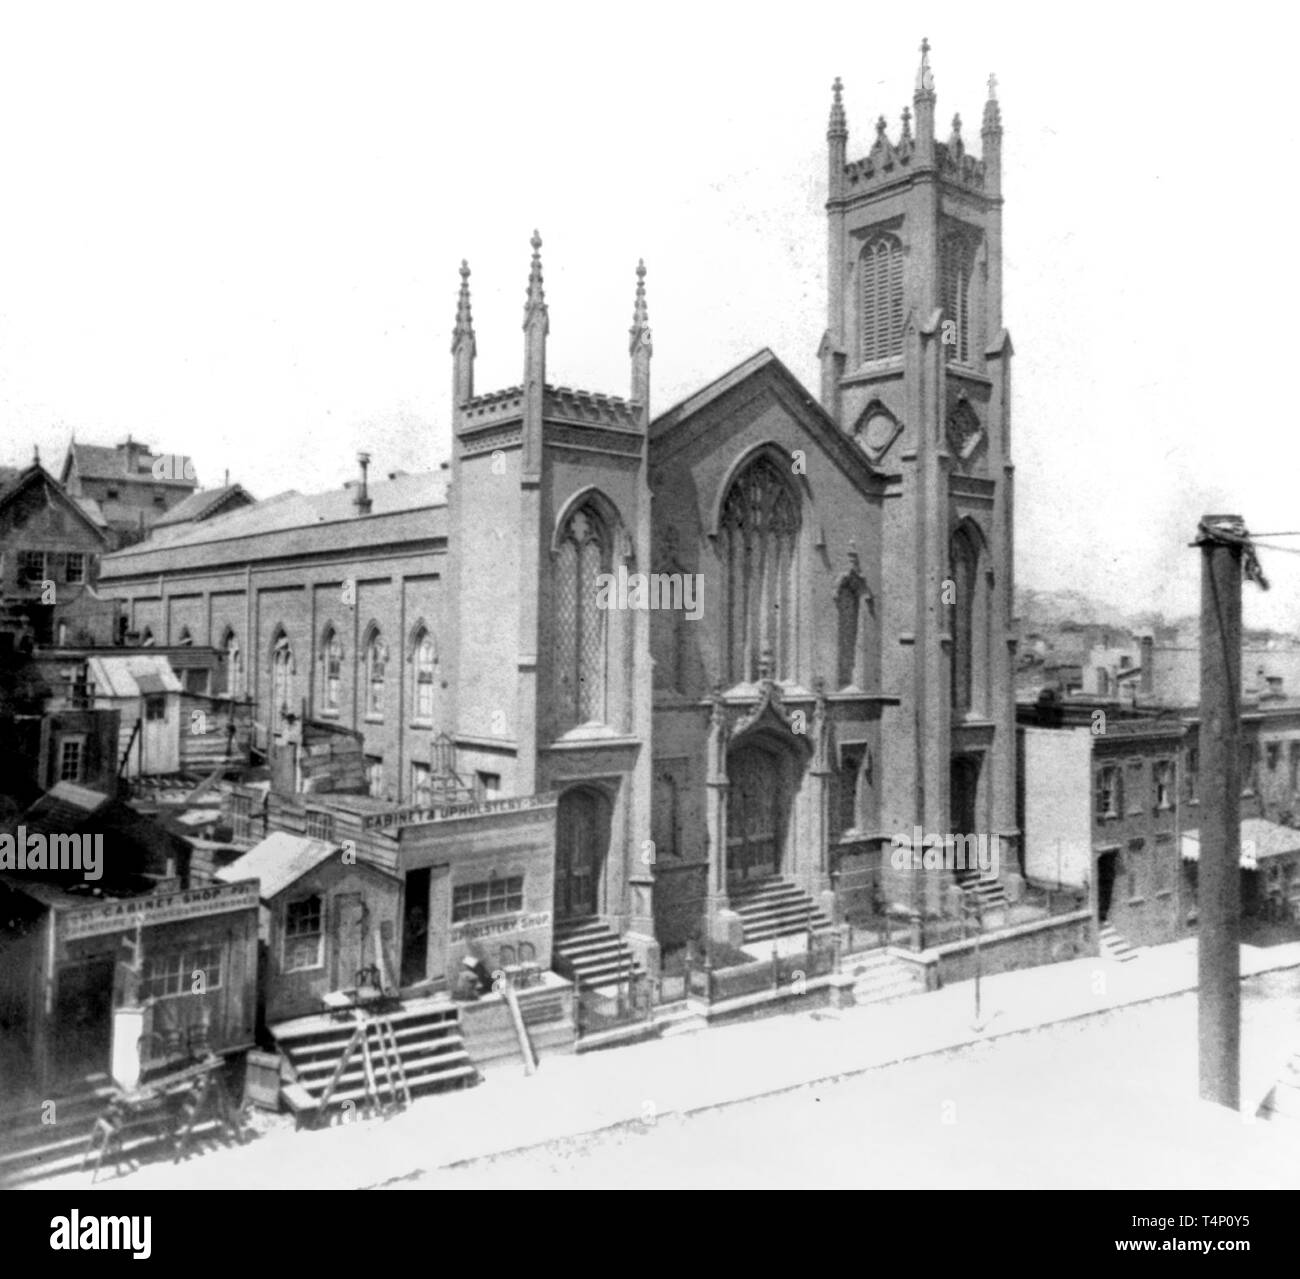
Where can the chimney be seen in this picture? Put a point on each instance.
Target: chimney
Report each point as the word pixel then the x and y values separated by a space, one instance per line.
pixel 1147 685
pixel 362 499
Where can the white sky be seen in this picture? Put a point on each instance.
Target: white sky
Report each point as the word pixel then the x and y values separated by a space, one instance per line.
pixel 234 231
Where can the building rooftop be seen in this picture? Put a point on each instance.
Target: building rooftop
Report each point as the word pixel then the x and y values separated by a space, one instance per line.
pixel 129 460
pixel 1260 839
pixel 133 676
pixel 202 504
pixel 278 862
pixel 292 510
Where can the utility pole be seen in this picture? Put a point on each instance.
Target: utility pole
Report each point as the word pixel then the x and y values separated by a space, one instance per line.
pixel 1225 552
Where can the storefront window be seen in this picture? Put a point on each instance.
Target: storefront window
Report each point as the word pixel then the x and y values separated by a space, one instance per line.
pixel 490 897
pixel 178 972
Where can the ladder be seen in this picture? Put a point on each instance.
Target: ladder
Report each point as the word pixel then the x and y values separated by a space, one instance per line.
pixel 386 1053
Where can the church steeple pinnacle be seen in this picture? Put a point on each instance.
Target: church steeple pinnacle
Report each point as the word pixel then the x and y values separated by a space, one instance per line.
pixel 536 326
pixel 923 101
pixel 838 126
pixel 991 134
pixel 924 76
pixel 463 345
pixel 464 330
pixel 535 307
pixel 640 347
pixel 992 112
pixel 837 138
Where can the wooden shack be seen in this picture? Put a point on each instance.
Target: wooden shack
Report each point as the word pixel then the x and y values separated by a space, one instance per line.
pixel 325 917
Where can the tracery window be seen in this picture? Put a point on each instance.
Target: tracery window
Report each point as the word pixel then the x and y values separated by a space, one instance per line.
pixel 760 532
pixel 584 552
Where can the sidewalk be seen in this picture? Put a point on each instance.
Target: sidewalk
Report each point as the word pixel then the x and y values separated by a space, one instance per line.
pixel 571 1096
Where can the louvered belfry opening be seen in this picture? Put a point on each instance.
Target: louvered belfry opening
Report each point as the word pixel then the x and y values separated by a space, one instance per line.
pixel 584 553
pixel 880 296
pixel 957 261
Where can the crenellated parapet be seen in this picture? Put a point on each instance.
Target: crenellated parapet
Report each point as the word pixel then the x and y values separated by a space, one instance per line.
pixel 914 151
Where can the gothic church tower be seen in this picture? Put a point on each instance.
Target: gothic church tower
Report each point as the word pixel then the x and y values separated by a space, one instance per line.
pixel 916 370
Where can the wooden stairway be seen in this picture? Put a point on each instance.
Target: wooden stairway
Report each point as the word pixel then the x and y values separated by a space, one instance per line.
pixel 32 1147
pixel 377 1062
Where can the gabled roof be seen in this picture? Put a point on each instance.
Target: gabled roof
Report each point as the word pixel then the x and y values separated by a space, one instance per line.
pixel 205 504
pixel 37 474
pixel 762 363
pixel 101 462
pixel 279 861
pixel 65 806
pixel 134 676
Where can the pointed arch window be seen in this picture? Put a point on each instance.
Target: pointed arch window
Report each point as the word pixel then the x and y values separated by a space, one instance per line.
pixel 424 660
pixel 282 668
pixel 760 533
pixel 185 639
pixel 331 659
pixel 585 551
pixel 957 262
pixel 880 298
pixel 967 619
pixel 376 674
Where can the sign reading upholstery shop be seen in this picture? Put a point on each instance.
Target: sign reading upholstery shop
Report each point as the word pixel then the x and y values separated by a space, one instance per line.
pixel 155 908
pixel 517 923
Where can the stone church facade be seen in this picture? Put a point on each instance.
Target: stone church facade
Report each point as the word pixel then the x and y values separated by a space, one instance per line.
pixel 849 674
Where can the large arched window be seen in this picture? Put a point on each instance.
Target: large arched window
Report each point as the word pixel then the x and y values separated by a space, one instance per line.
pixel 967 617
pixel 234 663
pixel 424 660
pixel 281 675
pixel 957 269
pixel 880 298
pixel 376 673
pixel 760 534
pixel 583 553
pixel 331 662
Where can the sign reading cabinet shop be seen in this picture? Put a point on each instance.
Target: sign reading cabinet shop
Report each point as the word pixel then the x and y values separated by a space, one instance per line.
pixel 501 924
pixel 155 908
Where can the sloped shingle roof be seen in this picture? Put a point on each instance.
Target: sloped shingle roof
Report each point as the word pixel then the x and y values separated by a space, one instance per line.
pixel 132 676
pixel 279 861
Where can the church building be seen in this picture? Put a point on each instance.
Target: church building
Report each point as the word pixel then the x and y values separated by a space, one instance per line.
pixel 831 662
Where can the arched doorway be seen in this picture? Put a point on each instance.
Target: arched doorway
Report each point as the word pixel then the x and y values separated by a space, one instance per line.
pixel 758 806
pixel 582 823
